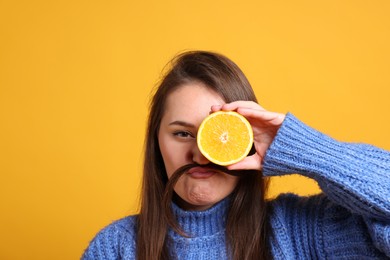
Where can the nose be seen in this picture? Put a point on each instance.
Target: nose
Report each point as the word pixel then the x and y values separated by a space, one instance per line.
pixel 198 157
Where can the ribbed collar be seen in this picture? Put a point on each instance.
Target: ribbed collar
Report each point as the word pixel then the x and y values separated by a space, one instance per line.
pixel 202 223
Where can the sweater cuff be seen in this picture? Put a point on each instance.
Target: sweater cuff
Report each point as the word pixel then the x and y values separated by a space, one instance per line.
pixel 297 146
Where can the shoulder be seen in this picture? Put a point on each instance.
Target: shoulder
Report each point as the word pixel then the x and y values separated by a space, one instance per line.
pixel 116 240
pixel 292 213
pixel 318 207
pixel 124 228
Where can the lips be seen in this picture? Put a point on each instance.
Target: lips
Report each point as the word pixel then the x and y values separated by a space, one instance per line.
pixel 201 173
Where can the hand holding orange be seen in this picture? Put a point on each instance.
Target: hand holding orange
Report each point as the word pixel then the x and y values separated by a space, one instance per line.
pixel 225 137
pixel 265 125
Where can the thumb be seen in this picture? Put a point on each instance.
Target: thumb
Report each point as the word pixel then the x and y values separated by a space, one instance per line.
pixel 252 162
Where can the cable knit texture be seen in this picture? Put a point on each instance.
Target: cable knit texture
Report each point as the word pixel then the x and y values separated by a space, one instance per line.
pixel 350 220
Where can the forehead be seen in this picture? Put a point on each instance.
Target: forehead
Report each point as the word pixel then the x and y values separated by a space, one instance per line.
pixel 190 100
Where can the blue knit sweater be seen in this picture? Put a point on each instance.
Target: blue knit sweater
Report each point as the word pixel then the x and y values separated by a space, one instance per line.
pixel 350 220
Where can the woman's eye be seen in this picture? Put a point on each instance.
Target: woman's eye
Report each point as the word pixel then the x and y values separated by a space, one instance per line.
pixel 183 134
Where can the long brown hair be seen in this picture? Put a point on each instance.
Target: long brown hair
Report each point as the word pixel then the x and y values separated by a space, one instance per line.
pixel 246 226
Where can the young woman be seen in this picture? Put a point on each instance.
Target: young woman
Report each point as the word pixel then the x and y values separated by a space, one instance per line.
pixel 215 214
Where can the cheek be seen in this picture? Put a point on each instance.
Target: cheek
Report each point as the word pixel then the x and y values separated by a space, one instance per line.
pixel 174 154
pixel 165 154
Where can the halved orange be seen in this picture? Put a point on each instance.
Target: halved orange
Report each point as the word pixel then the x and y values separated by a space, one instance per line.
pixel 225 137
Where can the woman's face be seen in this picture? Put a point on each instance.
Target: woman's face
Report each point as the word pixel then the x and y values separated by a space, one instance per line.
pixel 186 107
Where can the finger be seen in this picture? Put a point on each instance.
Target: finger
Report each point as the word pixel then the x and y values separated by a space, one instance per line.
pixel 271 117
pixel 249 163
pixel 245 104
pixel 216 108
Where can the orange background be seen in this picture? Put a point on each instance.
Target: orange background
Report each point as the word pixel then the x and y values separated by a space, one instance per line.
pixel 75 81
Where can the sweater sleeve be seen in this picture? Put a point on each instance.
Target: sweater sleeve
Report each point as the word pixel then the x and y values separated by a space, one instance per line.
pixel 352 175
pixel 116 241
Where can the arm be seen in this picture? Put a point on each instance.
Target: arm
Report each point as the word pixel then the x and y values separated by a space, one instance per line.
pixel 353 176
pixel 356 176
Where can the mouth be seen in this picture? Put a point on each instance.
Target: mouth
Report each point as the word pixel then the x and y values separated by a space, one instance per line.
pixel 201 172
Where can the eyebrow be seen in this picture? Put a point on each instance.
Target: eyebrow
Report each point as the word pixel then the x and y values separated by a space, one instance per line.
pixel 182 123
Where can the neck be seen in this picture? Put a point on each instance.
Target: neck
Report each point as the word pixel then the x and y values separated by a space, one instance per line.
pixel 202 222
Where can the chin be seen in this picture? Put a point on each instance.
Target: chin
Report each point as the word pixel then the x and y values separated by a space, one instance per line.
pixel 202 201
pixel 199 195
